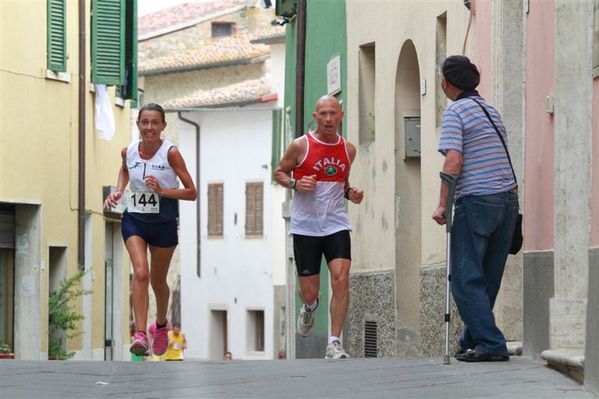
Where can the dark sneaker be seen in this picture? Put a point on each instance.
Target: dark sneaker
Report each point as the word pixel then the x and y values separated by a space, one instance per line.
pixel 476 356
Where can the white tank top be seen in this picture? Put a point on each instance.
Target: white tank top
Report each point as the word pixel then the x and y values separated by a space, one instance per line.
pixel 321 212
pixel 159 167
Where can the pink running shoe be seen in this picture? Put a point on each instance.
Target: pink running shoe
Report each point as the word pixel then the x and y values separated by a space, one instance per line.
pixel 159 338
pixel 140 344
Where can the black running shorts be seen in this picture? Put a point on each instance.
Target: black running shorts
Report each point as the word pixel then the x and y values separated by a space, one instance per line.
pixel 163 234
pixel 308 251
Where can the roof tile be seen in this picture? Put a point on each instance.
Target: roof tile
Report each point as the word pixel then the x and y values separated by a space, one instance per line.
pixel 242 93
pixel 235 49
pixel 182 13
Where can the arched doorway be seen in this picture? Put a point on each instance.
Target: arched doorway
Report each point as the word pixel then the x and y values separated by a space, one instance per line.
pixel 408 234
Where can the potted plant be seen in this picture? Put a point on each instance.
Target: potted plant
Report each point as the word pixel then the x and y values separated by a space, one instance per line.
pixel 63 319
pixel 6 351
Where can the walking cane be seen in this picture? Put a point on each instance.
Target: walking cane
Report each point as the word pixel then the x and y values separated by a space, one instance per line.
pixel 451 182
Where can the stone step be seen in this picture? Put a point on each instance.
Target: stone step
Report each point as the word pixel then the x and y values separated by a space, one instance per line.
pixel 567 361
pixel 514 348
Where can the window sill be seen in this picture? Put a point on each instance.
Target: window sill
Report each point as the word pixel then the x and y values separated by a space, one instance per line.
pixel 120 102
pixel 254 236
pixel 59 76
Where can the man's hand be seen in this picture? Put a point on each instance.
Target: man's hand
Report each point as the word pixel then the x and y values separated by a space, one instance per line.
pixel 306 183
pixel 439 215
pixel 355 195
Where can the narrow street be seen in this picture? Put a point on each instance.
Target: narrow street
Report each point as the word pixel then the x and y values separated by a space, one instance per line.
pixel 521 377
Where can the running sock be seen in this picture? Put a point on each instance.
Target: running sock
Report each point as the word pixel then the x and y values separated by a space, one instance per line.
pixel 333 339
pixel 159 326
pixel 313 307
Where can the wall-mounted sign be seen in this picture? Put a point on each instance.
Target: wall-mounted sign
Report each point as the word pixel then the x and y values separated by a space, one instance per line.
pixel 334 75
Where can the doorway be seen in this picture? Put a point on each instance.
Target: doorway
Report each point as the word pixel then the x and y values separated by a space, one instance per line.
pixel 219 343
pixel 408 200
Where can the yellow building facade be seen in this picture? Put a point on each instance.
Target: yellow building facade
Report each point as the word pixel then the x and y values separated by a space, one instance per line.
pixel 53 174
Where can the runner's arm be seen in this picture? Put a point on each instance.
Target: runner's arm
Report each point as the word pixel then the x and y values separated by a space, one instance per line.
pixel 188 192
pixel 353 194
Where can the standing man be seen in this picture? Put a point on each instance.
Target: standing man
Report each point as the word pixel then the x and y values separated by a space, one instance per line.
pixel 486 208
pixel 317 166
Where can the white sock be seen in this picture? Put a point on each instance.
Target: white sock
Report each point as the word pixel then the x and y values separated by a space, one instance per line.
pixel 333 339
pixel 313 306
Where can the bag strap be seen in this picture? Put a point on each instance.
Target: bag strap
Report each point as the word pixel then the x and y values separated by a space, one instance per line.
pixel 500 138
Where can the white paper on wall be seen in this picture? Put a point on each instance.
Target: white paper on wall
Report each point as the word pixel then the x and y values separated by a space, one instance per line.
pixel 104 114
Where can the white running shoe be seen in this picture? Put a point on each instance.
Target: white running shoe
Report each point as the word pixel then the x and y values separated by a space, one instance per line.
pixel 335 351
pixel 305 321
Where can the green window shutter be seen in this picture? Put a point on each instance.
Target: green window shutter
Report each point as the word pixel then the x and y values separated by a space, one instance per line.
pixel 129 89
pixel 108 44
pixel 57 37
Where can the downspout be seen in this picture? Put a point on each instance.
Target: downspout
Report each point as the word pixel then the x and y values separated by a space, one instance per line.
pixel 198 226
pixel 300 77
pixel 300 73
pixel 82 122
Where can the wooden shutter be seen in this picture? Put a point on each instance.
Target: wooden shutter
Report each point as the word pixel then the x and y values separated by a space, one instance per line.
pixel 57 35
pixel 108 42
pixel 215 210
pixel 129 89
pixel 254 209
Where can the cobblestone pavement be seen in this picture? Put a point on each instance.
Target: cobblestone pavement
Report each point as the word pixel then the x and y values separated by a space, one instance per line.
pixel 521 377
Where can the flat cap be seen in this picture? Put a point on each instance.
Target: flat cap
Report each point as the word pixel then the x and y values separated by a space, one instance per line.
pixel 460 72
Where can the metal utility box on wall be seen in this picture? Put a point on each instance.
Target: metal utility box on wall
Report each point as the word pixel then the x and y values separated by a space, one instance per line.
pixel 412 135
pixel 286 8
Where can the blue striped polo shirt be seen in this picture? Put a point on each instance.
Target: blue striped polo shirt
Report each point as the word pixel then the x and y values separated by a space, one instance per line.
pixel 465 128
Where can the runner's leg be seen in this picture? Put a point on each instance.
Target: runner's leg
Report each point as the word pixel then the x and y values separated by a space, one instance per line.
pixel 137 249
pixel 161 260
pixel 339 269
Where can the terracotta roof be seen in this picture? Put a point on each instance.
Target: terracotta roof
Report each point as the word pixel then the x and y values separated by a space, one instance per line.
pixel 226 51
pixel 243 93
pixel 183 13
pixel 273 34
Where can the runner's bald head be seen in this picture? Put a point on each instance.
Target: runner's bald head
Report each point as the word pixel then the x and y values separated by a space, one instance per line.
pixel 325 100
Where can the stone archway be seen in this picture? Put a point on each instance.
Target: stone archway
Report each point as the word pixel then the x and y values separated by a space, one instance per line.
pixel 408 232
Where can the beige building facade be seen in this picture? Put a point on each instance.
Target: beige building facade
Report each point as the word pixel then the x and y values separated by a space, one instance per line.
pixel 48 185
pixel 394 114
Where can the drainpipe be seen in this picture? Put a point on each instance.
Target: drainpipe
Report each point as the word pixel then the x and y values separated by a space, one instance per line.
pixel 300 77
pixel 82 122
pixel 300 74
pixel 198 226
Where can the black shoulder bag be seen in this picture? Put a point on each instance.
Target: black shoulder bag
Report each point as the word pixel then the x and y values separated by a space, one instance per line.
pixel 517 237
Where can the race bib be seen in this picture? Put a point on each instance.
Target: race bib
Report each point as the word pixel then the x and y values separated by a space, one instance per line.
pixel 143 202
pixel 176 346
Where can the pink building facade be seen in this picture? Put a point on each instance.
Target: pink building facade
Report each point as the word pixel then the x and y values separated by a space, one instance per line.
pixel 539 66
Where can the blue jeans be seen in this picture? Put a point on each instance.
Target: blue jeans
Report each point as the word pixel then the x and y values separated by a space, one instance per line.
pixel 481 236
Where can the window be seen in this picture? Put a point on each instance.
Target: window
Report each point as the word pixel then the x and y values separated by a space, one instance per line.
pixel 215 210
pixel 57 36
pixel 367 73
pixel 221 29
pixel 254 206
pixel 114 45
pixel 255 331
